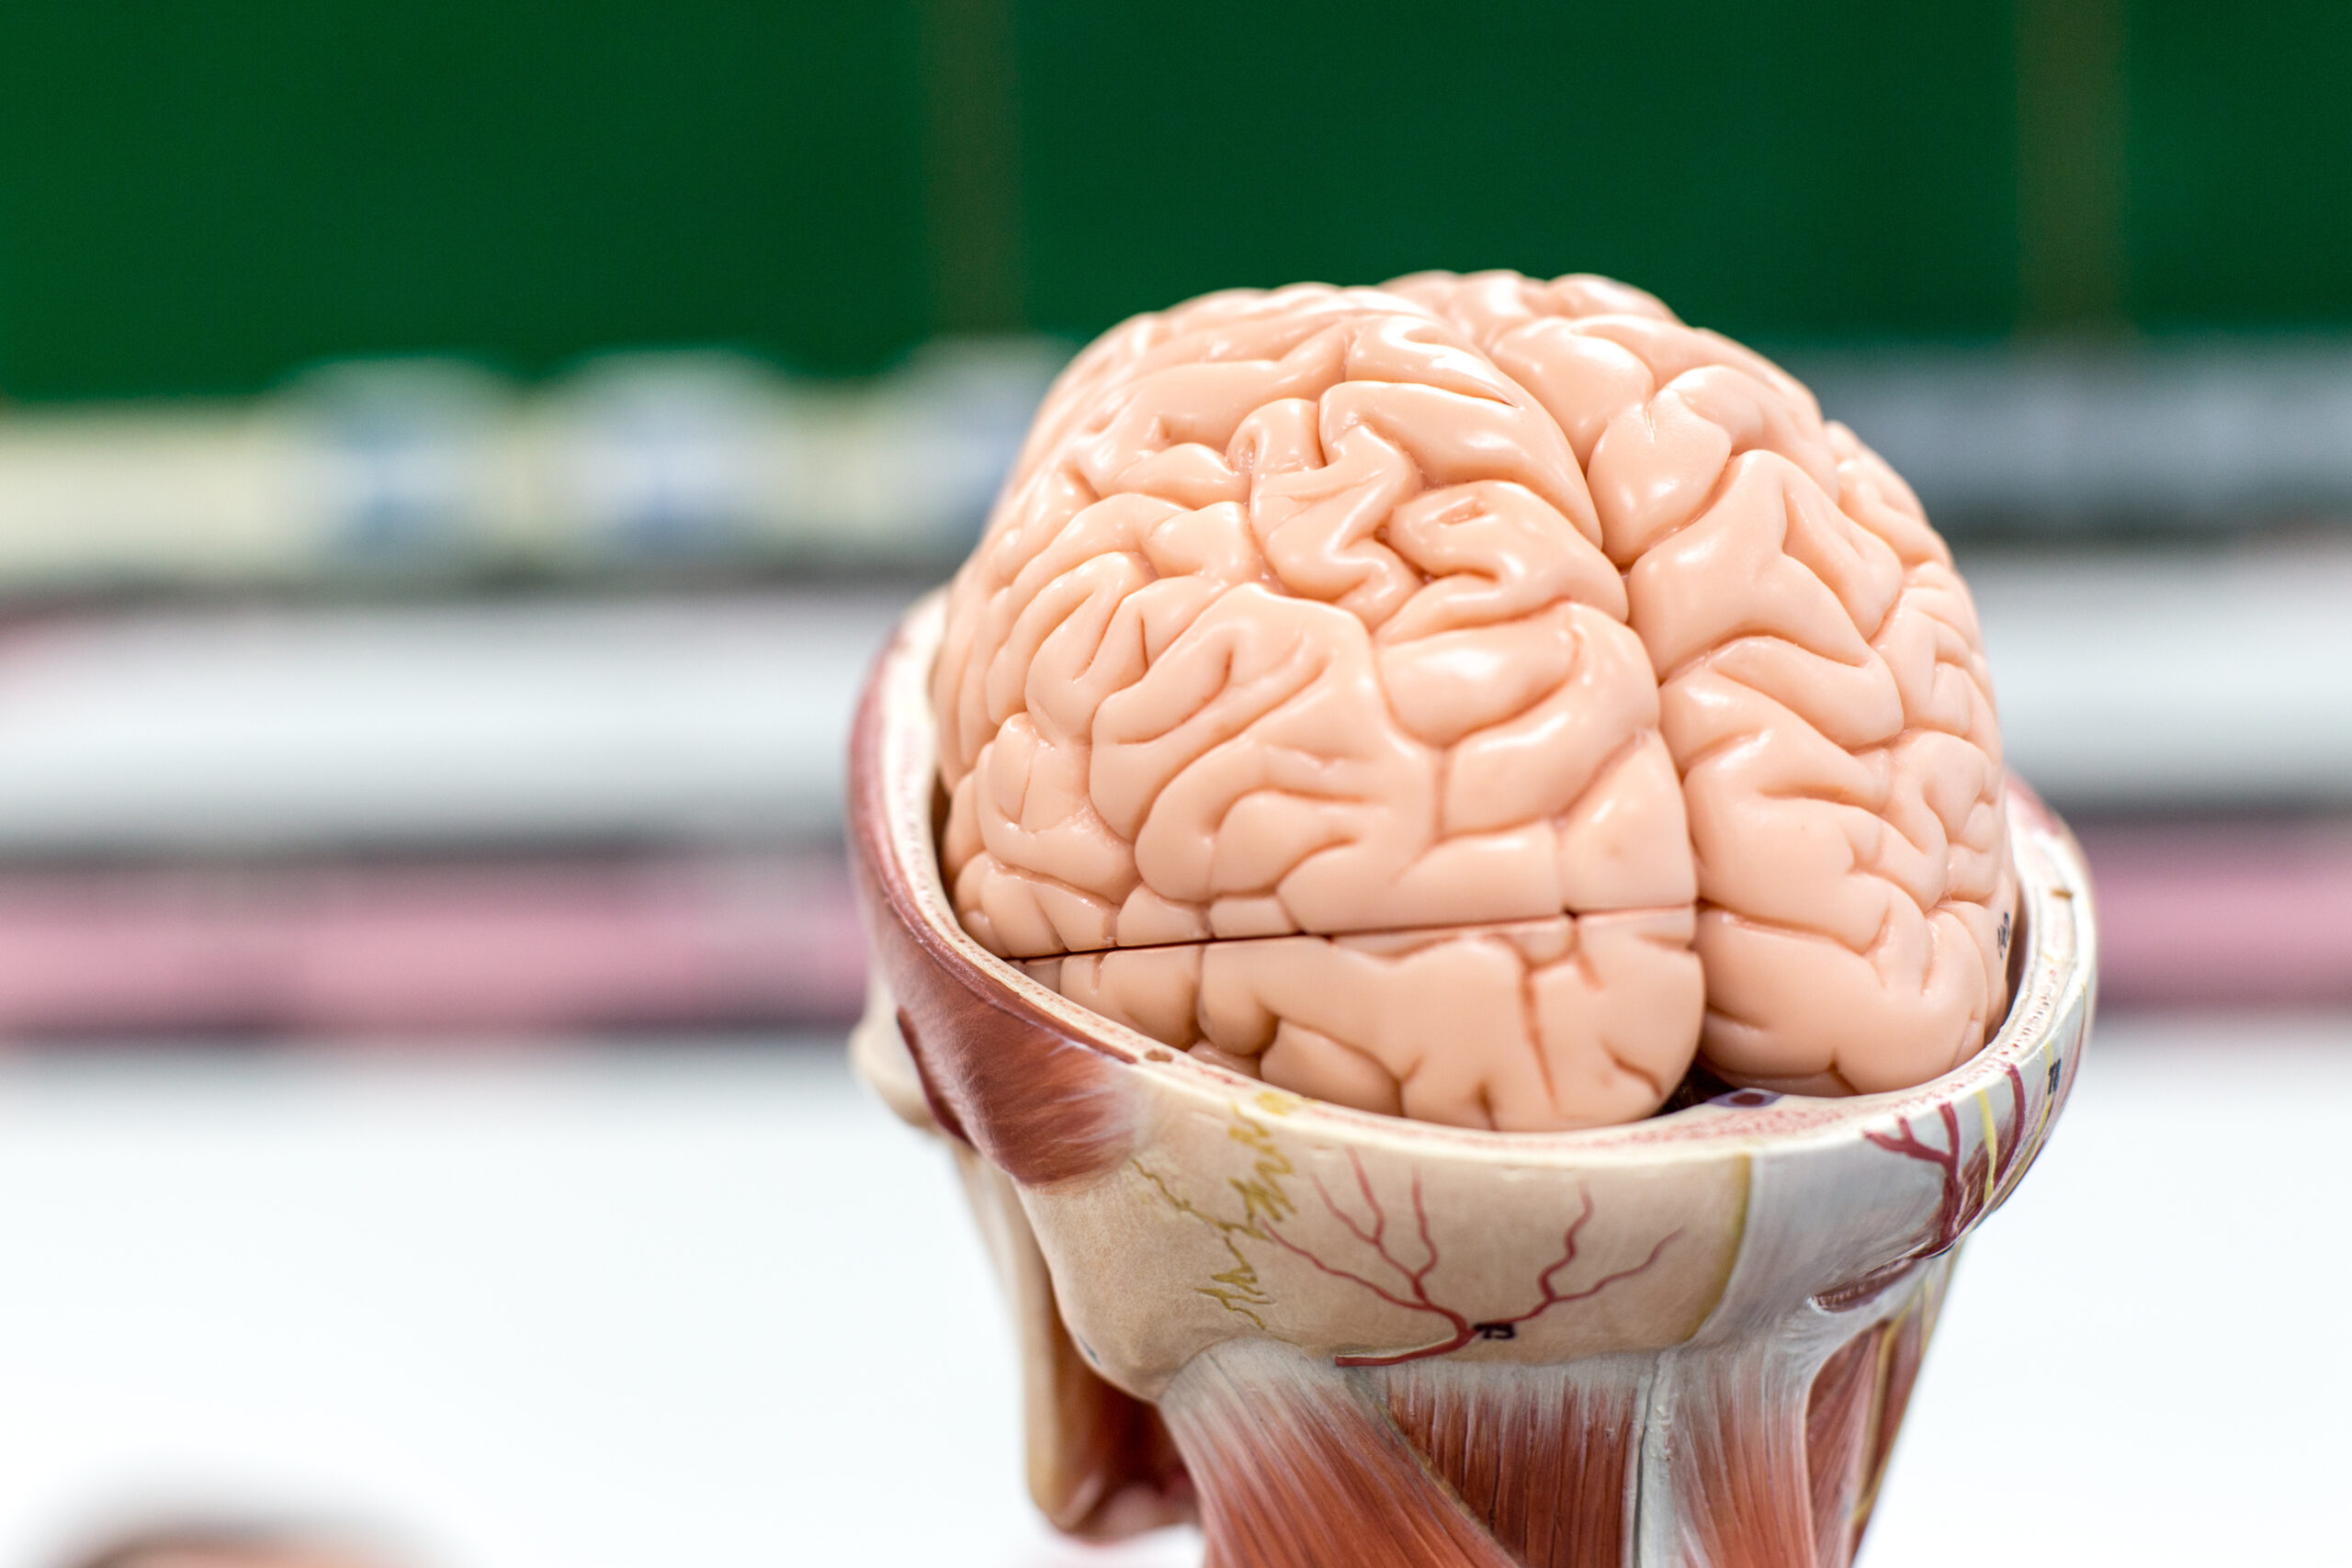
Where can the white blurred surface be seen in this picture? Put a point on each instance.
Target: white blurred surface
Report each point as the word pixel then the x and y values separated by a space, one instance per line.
pixel 712 1306
pixel 2127 680
pixel 517 721
pixel 2179 678
pixel 2142 1358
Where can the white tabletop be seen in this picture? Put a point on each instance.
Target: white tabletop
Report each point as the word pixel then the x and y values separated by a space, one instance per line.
pixel 699 1305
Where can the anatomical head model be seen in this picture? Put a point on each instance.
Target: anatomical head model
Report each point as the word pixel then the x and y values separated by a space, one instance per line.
pixel 1388 744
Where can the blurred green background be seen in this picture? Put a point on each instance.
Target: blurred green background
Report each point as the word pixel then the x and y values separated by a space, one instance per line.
pixel 200 198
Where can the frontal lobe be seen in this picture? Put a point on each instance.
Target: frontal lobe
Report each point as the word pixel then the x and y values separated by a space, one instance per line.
pixel 1289 711
pixel 1821 686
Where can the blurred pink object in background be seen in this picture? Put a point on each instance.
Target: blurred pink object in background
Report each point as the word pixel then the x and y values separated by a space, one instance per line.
pixel 460 946
pixel 2244 912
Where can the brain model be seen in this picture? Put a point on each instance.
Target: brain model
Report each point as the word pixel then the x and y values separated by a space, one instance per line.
pixel 1467 700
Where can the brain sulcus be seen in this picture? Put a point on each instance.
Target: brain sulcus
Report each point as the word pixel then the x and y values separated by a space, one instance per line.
pixel 1469 699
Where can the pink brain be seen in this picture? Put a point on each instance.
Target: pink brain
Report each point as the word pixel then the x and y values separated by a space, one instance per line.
pixel 1467 699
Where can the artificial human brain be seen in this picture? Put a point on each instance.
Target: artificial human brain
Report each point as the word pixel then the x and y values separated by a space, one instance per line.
pixel 1467 700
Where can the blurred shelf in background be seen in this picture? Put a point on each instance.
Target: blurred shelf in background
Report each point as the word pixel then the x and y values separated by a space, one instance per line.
pixel 407 474
pixel 2043 443
pixel 552 815
pixel 2174 680
pixel 512 944
pixel 484 725
pixel 2133 681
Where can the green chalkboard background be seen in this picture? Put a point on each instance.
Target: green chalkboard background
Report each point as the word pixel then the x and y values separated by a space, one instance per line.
pixel 203 196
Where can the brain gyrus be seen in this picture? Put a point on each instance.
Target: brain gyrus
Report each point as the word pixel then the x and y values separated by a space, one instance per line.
pixel 1467 700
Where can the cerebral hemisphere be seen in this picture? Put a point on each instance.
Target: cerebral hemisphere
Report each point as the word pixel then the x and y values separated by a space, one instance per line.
pixel 1469 699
